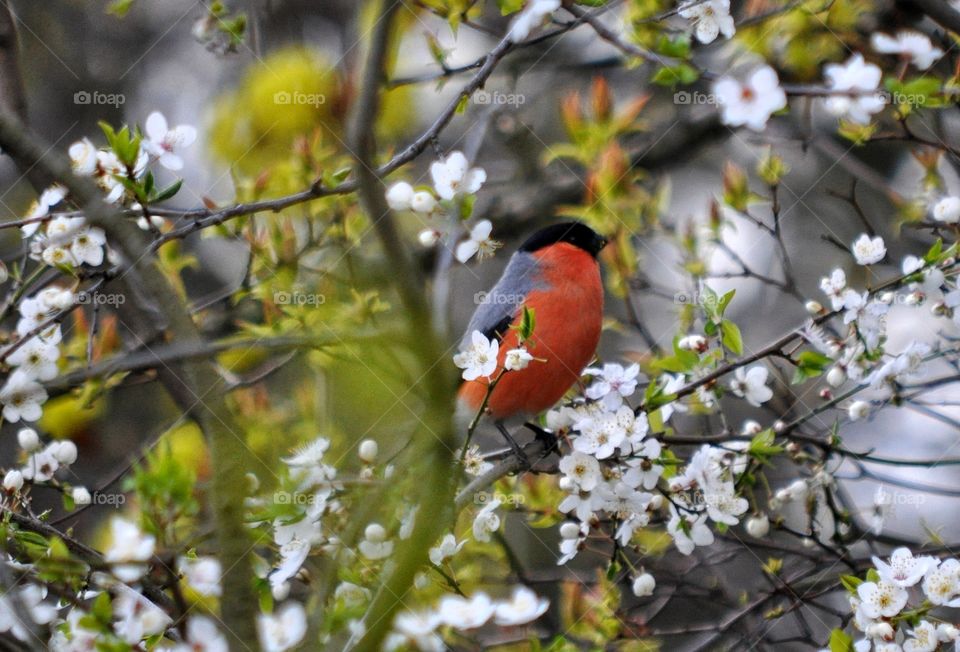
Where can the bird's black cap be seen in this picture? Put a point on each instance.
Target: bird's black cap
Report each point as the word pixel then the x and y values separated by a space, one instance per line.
pixel 575 233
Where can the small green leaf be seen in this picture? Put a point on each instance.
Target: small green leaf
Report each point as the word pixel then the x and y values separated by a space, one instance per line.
pixel 850 582
pixel 732 339
pixel 528 322
pixel 169 191
pixel 840 641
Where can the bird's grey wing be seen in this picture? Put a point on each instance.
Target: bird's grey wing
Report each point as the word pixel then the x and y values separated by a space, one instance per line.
pixel 497 308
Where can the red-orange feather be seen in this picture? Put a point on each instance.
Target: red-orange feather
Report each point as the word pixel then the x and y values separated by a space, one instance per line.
pixel 569 315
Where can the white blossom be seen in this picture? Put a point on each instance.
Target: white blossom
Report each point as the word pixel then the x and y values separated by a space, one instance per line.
pixel 486 522
pixel 36 358
pixel 854 84
pixel 750 103
pixel 613 385
pixel 128 545
pixel 710 17
pixel 867 250
pixel 689 531
pixel 283 629
pixel 202 574
pixel 947 210
pixel 479 243
pixel 517 359
pixel 447 548
pixel 903 570
pixel 881 599
pixel 479 359
pixel 913 45
pixel 453 175
pixel 162 141
pixel 752 385
pixel 583 469
pixel 22 397
pixel 923 638
pixel 524 606
pixel 531 16
pixel 463 613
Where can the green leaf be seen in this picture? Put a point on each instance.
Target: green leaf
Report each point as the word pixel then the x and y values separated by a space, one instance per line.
pixel 169 191
pixel 677 47
pixel 508 7
pixel 101 609
pixel 850 582
pixel 933 254
pixel 119 8
pixel 675 75
pixel 528 322
pixel 725 301
pixel 466 206
pixel 840 641
pixel 732 339
pixel 762 445
pixel 809 365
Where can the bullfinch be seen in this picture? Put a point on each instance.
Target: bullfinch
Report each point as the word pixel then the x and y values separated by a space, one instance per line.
pixel 555 273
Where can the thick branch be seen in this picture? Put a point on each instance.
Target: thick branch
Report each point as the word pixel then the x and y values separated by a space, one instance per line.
pixel 195 385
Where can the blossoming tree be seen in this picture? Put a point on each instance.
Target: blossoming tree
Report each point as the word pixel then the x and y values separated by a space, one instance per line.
pixel 306 486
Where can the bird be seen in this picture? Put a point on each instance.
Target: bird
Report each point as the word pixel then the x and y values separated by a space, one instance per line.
pixel 555 274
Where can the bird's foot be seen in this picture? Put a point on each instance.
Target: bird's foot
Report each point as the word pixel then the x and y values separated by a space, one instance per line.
pixel 517 449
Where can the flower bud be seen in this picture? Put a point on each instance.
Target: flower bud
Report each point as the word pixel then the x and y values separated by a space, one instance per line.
pixel 813 307
pixel 758 526
pixel 696 343
pixel 880 630
pixel 643 585
pixel 81 496
pixel 65 452
pixel 858 410
pixel 429 237
pixel 375 533
pixel 28 439
pixel 368 451
pixel 570 530
pixel 836 376
pixel 750 428
pixel 13 480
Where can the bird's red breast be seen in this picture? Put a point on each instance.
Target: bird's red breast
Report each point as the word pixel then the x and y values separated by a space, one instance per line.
pixel 568 307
